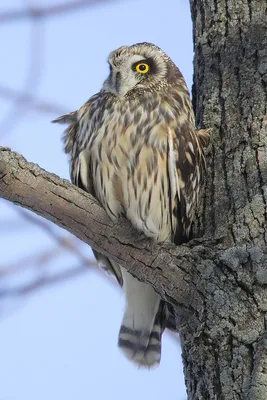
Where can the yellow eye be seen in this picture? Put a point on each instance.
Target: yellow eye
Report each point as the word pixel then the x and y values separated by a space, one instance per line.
pixel 142 68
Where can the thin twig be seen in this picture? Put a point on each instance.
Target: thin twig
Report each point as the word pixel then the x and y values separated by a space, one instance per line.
pixel 35 259
pixel 44 12
pixel 43 281
pixel 66 242
pixel 33 78
pixel 32 101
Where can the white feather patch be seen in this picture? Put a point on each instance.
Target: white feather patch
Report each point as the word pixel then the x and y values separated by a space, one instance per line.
pixel 83 169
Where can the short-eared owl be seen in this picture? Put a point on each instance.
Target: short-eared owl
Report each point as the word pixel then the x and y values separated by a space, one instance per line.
pixel 135 148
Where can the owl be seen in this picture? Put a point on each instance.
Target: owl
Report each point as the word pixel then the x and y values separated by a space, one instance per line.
pixel 134 146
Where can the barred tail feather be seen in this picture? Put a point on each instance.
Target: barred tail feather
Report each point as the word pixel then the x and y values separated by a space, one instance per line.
pixel 141 329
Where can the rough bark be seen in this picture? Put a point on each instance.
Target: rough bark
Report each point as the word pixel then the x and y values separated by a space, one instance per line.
pixel 217 284
pixel 29 186
pixel 225 351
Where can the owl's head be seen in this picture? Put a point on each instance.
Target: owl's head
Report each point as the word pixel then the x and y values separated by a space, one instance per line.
pixel 142 66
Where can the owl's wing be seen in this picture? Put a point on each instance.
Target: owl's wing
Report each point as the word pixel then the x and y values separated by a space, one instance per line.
pixel 185 164
pixel 203 136
pixel 80 172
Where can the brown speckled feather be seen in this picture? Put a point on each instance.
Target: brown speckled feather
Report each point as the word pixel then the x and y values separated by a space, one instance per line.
pixel 137 151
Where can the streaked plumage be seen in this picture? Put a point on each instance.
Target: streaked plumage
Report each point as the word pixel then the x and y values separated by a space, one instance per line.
pixel 134 147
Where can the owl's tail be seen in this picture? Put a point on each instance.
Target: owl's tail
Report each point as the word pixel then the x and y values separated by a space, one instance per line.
pixel 142 325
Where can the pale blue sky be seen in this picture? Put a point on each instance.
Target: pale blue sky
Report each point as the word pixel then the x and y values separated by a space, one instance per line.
pixel 60 343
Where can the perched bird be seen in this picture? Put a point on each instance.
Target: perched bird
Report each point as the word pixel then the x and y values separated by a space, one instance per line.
pixel 135 148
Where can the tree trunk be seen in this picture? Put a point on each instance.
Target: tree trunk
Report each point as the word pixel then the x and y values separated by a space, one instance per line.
pixel 225 345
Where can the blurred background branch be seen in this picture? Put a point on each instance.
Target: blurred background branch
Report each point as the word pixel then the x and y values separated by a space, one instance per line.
pixel 53 56
pixel 34 12
pixel 31 101
pixel 22 101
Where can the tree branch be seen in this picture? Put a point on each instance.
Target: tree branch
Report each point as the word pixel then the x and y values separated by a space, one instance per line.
pixel 57 200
